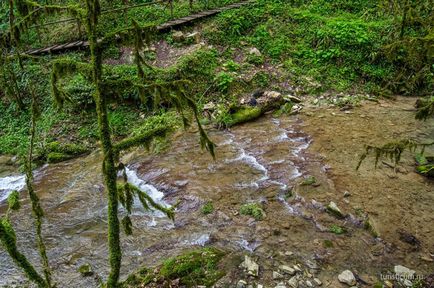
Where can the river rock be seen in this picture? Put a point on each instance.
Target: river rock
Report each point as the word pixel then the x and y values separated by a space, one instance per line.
pixel 347 277
pixel 85 270
pixel 403 272
pixel 317 281
pixel 251 266
pixel 309 284
pixel 333 209
pixel 286 269
pixel 277 275
pixel 241 284
pixel 293 282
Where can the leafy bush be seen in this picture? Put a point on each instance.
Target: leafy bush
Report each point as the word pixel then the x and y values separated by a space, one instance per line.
pixel 208 208
pixel 254 210
pixel 223 81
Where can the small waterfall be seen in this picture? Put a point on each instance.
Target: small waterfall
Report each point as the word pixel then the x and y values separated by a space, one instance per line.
pixel 9 184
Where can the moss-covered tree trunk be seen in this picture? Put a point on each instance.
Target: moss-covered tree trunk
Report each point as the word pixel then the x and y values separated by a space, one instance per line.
pixel 108 167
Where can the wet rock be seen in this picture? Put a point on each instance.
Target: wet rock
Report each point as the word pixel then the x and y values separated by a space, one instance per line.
pixel 255 51
pixel 85 270
pixel 251 266
pixel 347 277
pixel 277 275
pixel 286 269
pixel 293 282
pixel 317 281
pixel 408 238
pixel 403 272
pixel 241 284
pixel 333 209
pixel 297 268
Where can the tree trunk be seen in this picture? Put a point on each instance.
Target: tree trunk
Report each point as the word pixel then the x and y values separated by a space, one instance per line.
pixel 108 167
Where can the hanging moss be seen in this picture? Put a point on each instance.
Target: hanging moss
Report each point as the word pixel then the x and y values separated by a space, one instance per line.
pixel 8 240
pixel 14 200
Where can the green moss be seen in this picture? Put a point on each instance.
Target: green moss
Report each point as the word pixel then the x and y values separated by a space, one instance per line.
pixel 338 230
pixel 328 243
pixel 56 157
pixel 58 152
pixel 240 115
pixel 208 208
pixel 254 210
pixel 198 267
pixel 14 200
pixel 310 180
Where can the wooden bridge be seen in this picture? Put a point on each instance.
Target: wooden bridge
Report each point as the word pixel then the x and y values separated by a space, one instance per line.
pixel 82 44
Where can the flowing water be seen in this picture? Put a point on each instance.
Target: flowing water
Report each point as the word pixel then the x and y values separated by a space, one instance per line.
pixel 256 162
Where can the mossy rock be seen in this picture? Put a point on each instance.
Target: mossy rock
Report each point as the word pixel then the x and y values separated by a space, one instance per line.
pixel 370 227
pixel 56 157
pixel 57 152
pixel 334 210
pixel 197 267
pixel 239 115
pixel 85 270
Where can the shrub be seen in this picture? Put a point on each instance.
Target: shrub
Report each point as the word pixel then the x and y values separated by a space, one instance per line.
pixel 254 210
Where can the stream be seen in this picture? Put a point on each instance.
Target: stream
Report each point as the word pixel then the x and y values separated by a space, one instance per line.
pixel 256 162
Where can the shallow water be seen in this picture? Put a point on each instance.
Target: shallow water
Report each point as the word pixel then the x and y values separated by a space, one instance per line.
pixel 256 162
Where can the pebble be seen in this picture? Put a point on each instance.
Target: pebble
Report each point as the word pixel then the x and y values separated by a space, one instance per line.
pixel 317 281
pixel 309 284
pixel 280 285
pixel 277 275
pixel 293 282
pixel 241 284
pixel 297 268
pixel 286 269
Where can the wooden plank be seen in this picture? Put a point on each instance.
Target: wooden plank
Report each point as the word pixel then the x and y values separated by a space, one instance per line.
pixel 161 27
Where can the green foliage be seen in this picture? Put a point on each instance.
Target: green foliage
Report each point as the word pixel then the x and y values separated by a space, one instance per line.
pixel 223 81
pixel 254 210
pixel 208 208
pixel 14 200
pixel 338 230
pixel 425 108
pixel 231 65
pixel 370 227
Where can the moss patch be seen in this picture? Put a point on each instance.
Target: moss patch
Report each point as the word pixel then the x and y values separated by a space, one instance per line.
pixel 198 267
pixel 208 208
